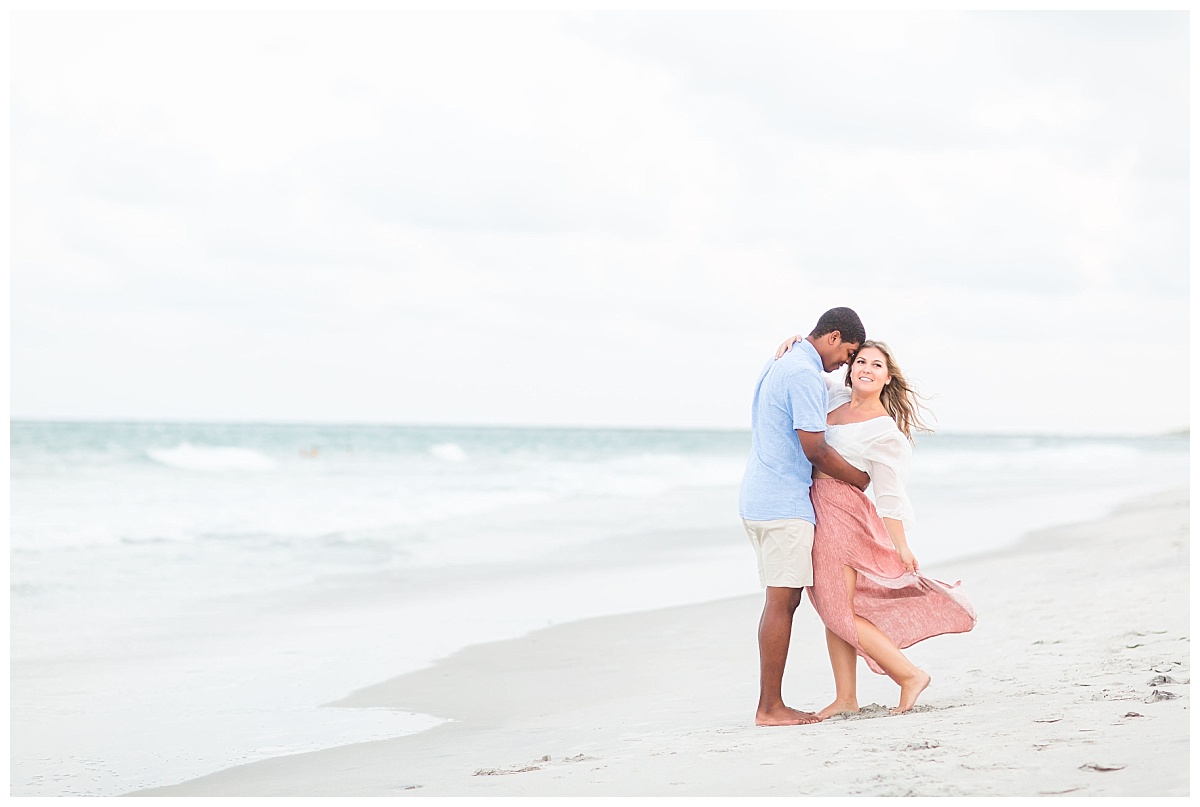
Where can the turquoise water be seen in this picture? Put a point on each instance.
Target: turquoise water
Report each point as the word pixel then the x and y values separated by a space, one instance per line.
pixel 231 578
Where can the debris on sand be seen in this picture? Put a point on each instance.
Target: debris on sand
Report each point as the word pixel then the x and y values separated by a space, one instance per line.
pixel 1159 680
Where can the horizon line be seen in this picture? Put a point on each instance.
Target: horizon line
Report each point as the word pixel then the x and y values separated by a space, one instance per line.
pixel 1184 431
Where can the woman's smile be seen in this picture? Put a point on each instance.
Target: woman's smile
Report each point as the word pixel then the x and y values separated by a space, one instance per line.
pixel 869 370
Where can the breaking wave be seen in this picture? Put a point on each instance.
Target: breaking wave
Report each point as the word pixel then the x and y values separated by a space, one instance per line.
pixel 188 457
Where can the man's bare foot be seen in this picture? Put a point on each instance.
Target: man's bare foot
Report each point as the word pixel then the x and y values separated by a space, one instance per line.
pixel 910 690
pixel 837 708
pixel 784 716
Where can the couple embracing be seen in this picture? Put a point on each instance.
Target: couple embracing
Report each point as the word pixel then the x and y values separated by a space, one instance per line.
pixel 818 442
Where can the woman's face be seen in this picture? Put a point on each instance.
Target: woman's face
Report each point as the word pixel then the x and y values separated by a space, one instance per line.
pixel 868 372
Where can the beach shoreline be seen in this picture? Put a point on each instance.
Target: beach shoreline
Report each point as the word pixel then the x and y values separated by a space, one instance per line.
pixel 1047 696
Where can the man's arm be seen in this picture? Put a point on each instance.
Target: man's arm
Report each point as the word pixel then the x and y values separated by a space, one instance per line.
pixel 826 460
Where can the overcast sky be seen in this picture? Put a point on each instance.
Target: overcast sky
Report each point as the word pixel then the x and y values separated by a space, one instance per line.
pixel 606 219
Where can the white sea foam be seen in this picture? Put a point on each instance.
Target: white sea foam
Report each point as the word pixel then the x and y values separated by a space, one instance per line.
pixel 188 457
pixel 450 452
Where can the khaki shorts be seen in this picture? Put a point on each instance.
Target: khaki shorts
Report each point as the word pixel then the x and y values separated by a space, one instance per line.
pixel 784 550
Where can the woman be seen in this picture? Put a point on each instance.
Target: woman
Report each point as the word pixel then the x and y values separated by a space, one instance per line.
pixel 867 585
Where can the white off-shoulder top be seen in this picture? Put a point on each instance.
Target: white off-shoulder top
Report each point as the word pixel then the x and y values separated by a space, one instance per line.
pixel 878 447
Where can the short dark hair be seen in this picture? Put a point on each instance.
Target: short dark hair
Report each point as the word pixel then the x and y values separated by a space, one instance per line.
pixel 843 320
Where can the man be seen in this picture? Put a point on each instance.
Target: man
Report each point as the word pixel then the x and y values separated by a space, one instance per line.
pixel 787 441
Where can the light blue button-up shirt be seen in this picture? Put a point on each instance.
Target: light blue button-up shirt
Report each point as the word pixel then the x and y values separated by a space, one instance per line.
pixel 790 395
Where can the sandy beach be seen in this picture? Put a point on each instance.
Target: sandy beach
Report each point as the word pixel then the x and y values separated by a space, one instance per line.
pixel 1075 681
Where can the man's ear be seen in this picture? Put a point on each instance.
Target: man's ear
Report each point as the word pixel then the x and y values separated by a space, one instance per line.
pixel 833 337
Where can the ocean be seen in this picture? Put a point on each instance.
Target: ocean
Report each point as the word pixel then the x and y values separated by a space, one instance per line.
pixel 185 597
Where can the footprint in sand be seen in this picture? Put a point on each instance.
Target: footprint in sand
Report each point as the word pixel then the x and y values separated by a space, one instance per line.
pixel 873 710
pixel 1161 695
pixel 919 745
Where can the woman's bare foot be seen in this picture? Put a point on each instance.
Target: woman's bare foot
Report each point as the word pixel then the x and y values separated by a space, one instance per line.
pixel 838 708
pixel 910 690
pixel 785 716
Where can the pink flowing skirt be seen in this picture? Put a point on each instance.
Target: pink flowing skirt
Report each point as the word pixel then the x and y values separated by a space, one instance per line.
pixel 906 606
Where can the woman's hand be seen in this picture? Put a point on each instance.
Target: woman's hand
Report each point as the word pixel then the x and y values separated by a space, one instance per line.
pixel 786 346
pixel 895 528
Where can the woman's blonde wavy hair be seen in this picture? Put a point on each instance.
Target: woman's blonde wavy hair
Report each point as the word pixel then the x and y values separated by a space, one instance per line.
pixel 900 400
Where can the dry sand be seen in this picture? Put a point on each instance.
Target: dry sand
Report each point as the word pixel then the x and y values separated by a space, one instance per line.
pixel 1053 693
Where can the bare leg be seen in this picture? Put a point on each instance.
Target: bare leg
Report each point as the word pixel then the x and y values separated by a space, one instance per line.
pixel 774 636
pixel 912 679
pixel 844 661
